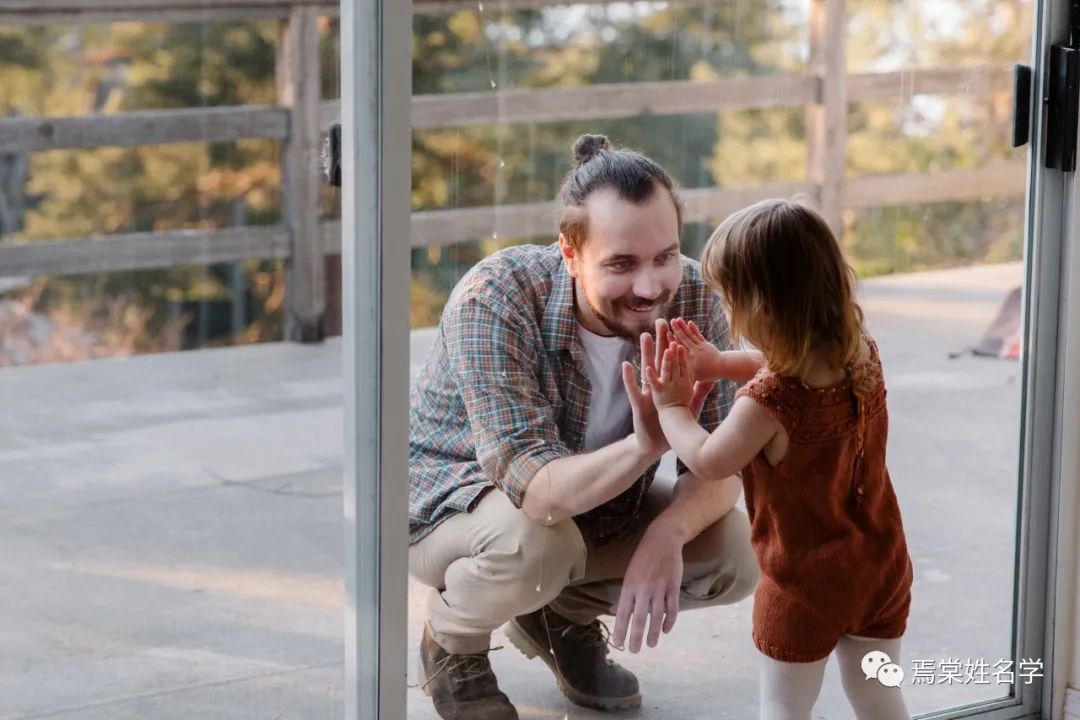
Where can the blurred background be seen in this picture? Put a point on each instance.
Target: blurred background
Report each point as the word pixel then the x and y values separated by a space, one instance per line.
pixel 931 180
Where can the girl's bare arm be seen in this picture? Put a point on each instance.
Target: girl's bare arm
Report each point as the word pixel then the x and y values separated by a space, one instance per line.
pixel 747 429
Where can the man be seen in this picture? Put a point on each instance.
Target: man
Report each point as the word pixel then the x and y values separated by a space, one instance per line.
pixel 533 447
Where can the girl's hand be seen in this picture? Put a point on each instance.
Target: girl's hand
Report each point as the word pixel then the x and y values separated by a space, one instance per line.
pixel 675 384
pixel 705 359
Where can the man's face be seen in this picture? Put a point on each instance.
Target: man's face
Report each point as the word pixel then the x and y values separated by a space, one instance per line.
pixel 629 267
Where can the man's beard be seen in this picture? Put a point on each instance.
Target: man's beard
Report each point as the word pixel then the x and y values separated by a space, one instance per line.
pixel 627 332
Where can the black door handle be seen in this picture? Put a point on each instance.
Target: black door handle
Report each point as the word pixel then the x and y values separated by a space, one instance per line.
pixel 1021 129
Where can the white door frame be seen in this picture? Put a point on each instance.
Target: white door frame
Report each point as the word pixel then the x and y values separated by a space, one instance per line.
pixel 1051 471
pixel 376 83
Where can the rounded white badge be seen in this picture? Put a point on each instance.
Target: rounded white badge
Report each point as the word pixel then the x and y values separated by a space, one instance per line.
pixel 872 663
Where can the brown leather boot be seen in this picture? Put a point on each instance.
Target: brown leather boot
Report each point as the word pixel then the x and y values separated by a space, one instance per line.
pixel 463 687
pixel 577 654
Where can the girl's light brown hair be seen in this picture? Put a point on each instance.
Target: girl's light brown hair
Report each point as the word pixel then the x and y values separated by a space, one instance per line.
pixel 787 286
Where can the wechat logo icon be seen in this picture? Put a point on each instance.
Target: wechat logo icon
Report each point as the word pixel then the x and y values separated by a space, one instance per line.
pixel 876 665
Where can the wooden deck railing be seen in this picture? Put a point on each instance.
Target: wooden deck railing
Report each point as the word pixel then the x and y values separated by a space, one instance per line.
pixel 299 118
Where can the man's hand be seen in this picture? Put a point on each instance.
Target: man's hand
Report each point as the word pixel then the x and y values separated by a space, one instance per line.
pixel 652 356
pixel 674 386
pixel 647 431
pixel 652 352
pixel 650 438
pixel 650 589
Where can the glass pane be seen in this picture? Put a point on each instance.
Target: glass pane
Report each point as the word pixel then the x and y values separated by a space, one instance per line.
pixel 930 216
pixel 172 468
pixel 942 283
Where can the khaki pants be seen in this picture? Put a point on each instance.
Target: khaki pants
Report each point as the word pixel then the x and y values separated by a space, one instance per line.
pixel 492 564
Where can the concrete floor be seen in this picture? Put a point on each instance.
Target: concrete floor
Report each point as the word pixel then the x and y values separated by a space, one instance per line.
pixel 170 531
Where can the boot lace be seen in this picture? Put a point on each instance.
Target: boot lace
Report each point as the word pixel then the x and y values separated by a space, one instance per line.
pixel 463 669
pixel 595 634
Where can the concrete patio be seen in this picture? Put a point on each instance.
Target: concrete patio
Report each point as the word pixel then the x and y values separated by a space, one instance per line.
pixel 170 531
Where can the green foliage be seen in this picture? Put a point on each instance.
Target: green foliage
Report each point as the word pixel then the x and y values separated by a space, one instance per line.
pixel 129 66
pixel 141 66
pixel 468 51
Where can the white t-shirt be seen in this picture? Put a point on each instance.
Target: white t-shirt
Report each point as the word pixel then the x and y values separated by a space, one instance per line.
pixel 610 418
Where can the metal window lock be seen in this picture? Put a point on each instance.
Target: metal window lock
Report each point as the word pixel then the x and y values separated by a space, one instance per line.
pixel 1062 105
pixel 1021 130
pixel 331 155
pixel 1062 99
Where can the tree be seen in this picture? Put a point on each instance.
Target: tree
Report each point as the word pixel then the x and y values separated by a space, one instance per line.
pixel 126 66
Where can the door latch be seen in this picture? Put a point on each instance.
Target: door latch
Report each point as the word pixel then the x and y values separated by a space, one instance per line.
pixel 1021 130
pixel 1063 97
pixel 331 155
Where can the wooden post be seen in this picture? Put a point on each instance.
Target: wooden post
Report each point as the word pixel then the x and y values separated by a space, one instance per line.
pixel 826 118
pixel 14 168
pixel 238 285
pixel 298 90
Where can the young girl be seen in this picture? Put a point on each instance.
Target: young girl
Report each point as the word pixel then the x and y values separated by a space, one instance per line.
pixel 808 433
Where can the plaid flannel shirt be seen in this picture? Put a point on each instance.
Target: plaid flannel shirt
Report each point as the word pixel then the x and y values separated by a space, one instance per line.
pixel 504 389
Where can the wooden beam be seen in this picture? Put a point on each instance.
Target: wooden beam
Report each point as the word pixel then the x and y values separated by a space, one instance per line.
pixel 137 6
pixel 73 12
pixel 298 90
pixel 446 227
pixel 619 100
pixel 496 7
pixel 148 127
pixel 24 12
pixel 826 117
pixel 81 12
pixel 715 204
pixel 133 251
pixel 612 100
pixel 225 124
pixel 532 220
pixel 902 84
pixel 153 9
pixel 29 18
pixel 999 180
pixel 175 248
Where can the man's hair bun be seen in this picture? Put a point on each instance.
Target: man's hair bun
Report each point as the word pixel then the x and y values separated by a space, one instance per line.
pixel 588 146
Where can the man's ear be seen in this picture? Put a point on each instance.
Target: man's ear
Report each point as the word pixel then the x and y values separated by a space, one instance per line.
pixel 569 254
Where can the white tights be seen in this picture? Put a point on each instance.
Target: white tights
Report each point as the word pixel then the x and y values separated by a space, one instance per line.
pixel 789 690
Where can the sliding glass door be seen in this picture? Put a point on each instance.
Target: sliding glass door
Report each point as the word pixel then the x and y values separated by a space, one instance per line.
pixel 895 118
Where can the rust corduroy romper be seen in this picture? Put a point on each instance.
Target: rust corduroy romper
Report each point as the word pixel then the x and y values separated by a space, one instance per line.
pixel 825 524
